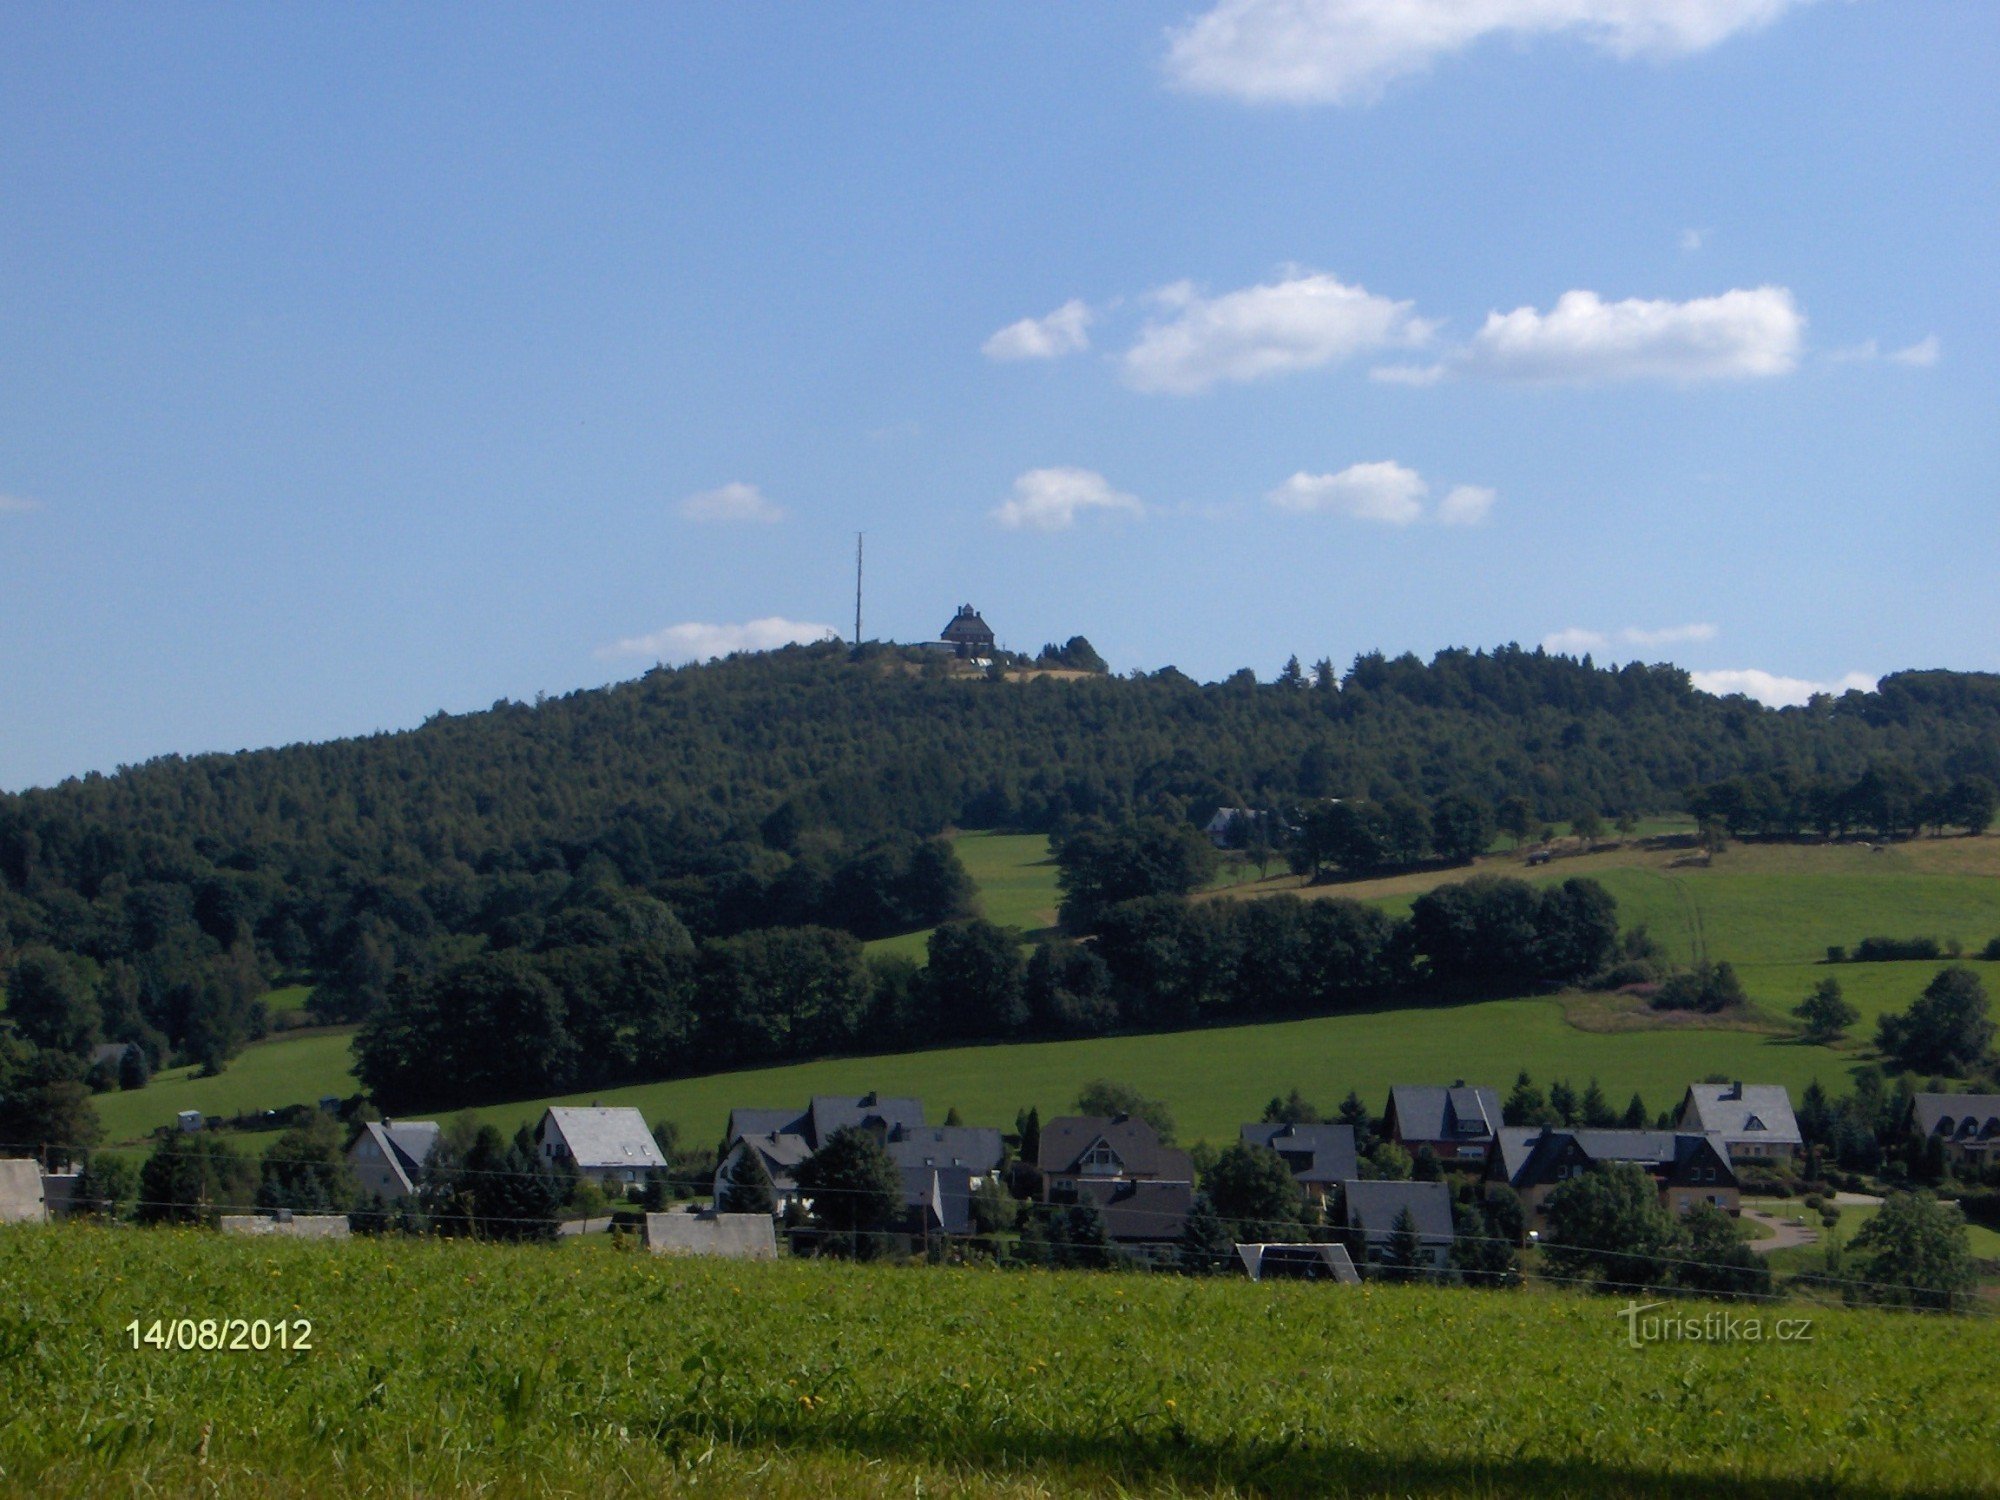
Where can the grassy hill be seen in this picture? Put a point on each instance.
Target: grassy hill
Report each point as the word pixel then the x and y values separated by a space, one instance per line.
pixel 447 1367
pixel 1770 909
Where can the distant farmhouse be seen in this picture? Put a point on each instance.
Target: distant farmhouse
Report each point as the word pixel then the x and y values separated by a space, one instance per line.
pixel 1373 1207
pixel 1754 1119
pixel 1321 1157
pixel 1967 1125
pixel 612 1147
pixel 1143 1188
pixel 1688 1166
pixel 1457 1123
pixel 389 1156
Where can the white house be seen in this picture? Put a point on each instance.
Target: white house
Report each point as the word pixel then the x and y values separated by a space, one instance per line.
pixel 389 1156
pixel 612 1147
pixel 1754 1119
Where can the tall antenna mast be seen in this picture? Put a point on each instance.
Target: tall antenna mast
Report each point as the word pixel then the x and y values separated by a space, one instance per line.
pixel 857 589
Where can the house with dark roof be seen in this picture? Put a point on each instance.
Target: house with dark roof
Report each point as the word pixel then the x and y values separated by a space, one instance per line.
pixel 1968 1125
pixel 611 1146
pixel 1688 1166
pixel 1139 1216
pixel 969 636
pixel 1075 1149
pixel 1370 1211
pixel 1755 1120
pixel 941 1165
pixel 1458 1122
pixel 389 1156
pixel 1321 1157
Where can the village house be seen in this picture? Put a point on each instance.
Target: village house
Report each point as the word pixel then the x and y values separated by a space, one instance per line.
pixel 1370 1210
pixel 1755 1120
pixel 1143 1188
pixel 1968 1125
pixel 388 1158
pixel 1458 1123
pixel 610 1146
pixel 1321 1157
pixel 1689 1167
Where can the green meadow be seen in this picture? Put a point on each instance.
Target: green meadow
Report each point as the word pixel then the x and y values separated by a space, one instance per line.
pixel 1772 910
pixel 454 1367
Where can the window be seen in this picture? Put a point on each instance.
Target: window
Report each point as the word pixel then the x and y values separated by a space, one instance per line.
pixel 1101 1161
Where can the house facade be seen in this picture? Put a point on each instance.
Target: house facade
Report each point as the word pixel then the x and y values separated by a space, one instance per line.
pixel 388 1158
pixel 1688 1167
pixel 1755 1120
pixel 1143 1188
pixel 970 638
pixel 1458 1122
pixel 611 1146
pixel 1968 1125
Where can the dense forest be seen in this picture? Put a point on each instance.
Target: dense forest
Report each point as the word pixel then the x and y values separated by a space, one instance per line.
pixel 804 789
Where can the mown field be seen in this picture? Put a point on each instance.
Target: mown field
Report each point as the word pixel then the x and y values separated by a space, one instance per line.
pixel 1771 910
pixel 447 1368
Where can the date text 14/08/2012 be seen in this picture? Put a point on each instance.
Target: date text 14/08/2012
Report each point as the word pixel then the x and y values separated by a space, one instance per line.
pixel 221 1335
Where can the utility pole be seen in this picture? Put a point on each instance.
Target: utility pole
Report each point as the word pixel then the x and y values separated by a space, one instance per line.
pixel 857 589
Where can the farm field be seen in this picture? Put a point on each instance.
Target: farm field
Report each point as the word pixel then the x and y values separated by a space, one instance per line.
pixel 446 1367
pixel 1770 909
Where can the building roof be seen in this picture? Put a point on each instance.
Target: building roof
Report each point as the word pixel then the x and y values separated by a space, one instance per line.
pixel 973 1147
pixel 943 1195
pixel 1431 1112
pixel 1067 1139
pixel 1136 1211
pixel 1531 1154
pixel 966 627
pixel 1315 1153
pixel 1747 1112
pixel 1373 1207
pixel 598 1136
pixel 112 1052
pixel 782 1154
pixel 405 1145
pixel 1960 1117
pixel 1296 1258
pixel 830 1112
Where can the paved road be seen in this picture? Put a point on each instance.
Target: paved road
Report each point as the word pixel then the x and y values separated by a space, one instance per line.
pixel 1786 1231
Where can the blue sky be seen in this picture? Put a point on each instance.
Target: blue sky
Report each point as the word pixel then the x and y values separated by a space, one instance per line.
pixel 357 363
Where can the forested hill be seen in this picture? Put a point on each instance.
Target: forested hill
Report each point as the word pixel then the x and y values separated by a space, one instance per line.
pixel 804 787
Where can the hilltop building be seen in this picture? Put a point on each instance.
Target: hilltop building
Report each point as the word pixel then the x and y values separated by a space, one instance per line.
pixel 970 637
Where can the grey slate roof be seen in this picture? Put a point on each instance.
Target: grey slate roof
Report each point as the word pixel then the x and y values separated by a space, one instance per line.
pixel 942 1195
pixel 1140 1211
pixel 973 1147
pixel 1753 1113
pixel 1315 1153
pixel 406 1145
pixel 1530 1155
pixel 781 1152
pixel 1068 1138
pixel 831 1112
pixel 1430 1112
pixel 1958 1117
pixel 1372 1208
pixel 599 1137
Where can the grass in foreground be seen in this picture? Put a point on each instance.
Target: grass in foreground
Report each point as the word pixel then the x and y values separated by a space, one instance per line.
pixel 444 1368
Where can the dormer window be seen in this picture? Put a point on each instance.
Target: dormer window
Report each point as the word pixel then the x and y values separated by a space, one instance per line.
pixel 1101 1161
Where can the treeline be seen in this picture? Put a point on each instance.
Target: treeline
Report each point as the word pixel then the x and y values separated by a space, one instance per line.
pixel 501 1026
pixel 1888 799
pixel 804 787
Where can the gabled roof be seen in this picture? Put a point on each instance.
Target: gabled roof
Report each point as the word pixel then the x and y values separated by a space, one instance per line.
pixel 830 1112
pixel 1373 1207
pixel 1140 1210
pixel 1067 1139
pixel 744 1122
pixel 1747 1112
pixel 599 1136
pixel 972 1147
pixel 781 1152
pixel 405 1147
pixel 1530 1155
pixel 1430 1112
pixel 1959 1117
pixel 942 1195
pixel 1327 1151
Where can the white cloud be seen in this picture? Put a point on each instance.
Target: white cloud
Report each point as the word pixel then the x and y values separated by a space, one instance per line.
pixel 1692 240
pixel 1738 335
pixel 1348 51
pixel 1466 505
pixel 1774 691
pixel 1574 642
pixel 1299 323
pixel 1923 352
pixel 1051 499
pixel 732 502
pixel 1064 331
pixel 17 503
pixel 1385 492
pixel 1669 636
pixel 700 642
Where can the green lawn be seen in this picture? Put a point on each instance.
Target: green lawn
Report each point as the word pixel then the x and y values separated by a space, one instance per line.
pixel 286 1069
pixel 290 998
pixel 455 1367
